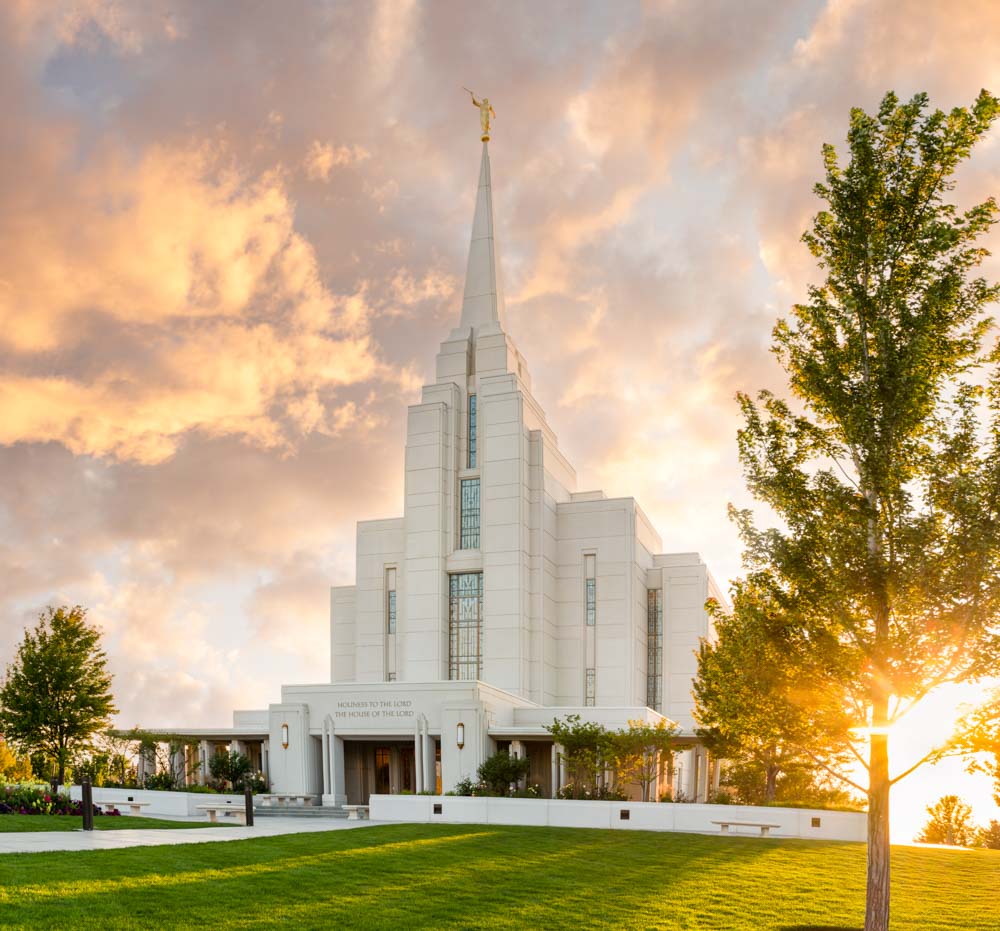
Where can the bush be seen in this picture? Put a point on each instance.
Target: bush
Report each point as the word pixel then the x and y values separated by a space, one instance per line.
pixel 34 800
pixel 501 771
pixel 163 781
pixel 230 769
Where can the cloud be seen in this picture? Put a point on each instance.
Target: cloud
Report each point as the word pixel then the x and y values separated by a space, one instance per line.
pixel 232 237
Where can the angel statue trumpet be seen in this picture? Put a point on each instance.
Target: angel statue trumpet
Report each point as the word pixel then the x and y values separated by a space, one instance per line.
pixel 485 112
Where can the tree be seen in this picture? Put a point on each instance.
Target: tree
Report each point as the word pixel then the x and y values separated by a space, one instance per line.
pixel 232 768
pixel 989 836
pixel 950 823
pixel 749 700
pixel 14 768
pixel 885 576
pixel 502 770
pixel 57 693
pixel 585 751
pixel 641 752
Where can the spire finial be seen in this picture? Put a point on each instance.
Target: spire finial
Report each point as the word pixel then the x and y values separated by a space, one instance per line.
pixel 485 112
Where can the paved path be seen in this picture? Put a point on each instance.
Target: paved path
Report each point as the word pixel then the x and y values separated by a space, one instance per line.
pixel 42 841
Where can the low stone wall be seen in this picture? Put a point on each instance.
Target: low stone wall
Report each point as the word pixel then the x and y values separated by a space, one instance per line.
pixel 808 823
pixel 161 802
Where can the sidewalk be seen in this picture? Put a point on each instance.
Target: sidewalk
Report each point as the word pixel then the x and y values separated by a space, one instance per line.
pixel 43 841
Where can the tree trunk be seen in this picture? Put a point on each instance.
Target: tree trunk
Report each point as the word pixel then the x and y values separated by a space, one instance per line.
pixel 772 783
pixel 877 900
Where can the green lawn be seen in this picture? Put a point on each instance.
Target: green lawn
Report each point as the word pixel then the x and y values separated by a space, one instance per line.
pixel 12 823
pixel 472 876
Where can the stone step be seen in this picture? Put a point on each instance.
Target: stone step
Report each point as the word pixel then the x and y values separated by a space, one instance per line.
pixel 304 811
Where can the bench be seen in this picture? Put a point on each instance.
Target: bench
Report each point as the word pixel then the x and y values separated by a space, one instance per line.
pixel 213 812
pixel 136 807
pixel 356 812
pixel 281 799
pixel 764 828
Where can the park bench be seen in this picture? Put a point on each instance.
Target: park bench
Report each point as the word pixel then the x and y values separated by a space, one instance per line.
pixel 764 828
pixel 135 807
pixel 356 812
pixel 283 800
pixel 238 811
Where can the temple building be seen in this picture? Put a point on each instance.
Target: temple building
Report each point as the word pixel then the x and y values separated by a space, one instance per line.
pixel 502 598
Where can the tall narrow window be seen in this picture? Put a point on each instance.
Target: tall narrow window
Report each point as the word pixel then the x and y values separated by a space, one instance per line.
pixel 590 688
pixel 390 601
pixel 465 625
pixel 472 431
pixel 654 649
pixel 590 573
pixel 469 530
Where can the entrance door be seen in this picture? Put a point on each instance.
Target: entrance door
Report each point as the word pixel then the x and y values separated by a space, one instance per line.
pixel 382 761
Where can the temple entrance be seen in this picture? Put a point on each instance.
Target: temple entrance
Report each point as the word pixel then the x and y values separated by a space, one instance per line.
pixel 378 767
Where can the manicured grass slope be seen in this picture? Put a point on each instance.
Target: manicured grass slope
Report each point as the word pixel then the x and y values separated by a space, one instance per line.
pixel 11 823
pixel 470 876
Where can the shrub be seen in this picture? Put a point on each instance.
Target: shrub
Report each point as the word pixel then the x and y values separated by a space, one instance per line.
pixel 34 800
pixel 501 771
pixel 163 781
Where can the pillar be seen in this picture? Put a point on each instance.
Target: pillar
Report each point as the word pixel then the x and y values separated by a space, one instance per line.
pixel 325 754
pixel 554 776
pixel 429 754
pixel 418 756
pixel 265 761
pixel 203 757
pixel 702 787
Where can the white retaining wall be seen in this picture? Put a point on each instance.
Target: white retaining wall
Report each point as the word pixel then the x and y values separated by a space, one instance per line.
pixel 162 802
pixel 642 816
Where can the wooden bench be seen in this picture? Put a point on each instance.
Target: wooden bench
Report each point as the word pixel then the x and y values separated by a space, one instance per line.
pixel 282 799
pixel 764 828
pixel 213 812
pixel 356 812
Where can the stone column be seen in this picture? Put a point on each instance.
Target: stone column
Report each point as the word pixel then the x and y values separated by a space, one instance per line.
pixel 203 757
pixel 554 774
pixel 430 770
pixel 702 787
pixel 418 757
pixel 338 781
pixel 325 752
pixel 265 761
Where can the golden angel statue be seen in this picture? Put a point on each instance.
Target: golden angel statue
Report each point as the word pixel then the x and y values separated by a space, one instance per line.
pixel 485 112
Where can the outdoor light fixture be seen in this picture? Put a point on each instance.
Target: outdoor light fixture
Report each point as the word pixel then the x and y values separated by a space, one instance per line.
pixel 460 735
pixel 284 736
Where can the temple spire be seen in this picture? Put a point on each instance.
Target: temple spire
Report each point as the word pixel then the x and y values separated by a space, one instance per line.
pixel 482 303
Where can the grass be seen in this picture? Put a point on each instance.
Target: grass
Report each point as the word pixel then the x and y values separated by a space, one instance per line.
pixel 17 823
pixel 486 876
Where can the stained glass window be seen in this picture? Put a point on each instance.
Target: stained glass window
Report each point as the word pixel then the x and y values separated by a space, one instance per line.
pixel 469 535
pixel 465 625
pixel 654 649
pixel 472 431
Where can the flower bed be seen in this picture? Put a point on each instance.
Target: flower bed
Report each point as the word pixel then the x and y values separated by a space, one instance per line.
pixel 33 800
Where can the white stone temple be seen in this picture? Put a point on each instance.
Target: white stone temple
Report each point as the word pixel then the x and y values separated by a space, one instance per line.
pixel 502 598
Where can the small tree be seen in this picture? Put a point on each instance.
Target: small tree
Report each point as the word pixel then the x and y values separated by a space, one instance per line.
pixel 57 693
pixel 585 751
pixel 231 767
pixel 639 753
pixel 989 836
pixel 502 770
pixel 14 768
pixel 950 823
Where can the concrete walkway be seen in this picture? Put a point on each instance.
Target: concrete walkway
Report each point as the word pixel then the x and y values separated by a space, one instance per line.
pixel 43 841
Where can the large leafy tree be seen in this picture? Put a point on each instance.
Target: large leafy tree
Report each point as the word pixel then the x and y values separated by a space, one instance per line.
pixel 977 737
pixel 56 694
pixel 753 707
pixel 884 468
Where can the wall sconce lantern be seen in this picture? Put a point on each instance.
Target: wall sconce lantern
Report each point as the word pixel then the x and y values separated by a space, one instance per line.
pixel 460 735
pixel 284 736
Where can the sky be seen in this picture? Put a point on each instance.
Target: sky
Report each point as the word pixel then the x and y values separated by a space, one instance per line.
pixel 233 234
